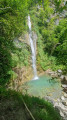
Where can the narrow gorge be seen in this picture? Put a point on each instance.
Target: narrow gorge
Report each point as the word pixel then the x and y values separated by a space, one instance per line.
pixel 33 60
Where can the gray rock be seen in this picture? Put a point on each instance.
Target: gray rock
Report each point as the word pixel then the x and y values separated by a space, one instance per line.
pixel 59 71
pixel 61 108
pixel 61 113
pixel 62 98
pixel 54 75
pixel 65 95
pixel 64 103
pixel 49 99
pixel 50 73
pixel 62 77
pixel 63 85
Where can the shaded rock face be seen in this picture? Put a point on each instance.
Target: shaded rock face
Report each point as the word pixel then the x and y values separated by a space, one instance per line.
pixel 23 74
pixel 25 38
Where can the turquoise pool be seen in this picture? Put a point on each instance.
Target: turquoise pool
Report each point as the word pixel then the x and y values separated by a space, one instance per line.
pixel 44 86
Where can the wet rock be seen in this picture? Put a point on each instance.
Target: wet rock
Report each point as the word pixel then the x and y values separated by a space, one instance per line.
pixel 53 74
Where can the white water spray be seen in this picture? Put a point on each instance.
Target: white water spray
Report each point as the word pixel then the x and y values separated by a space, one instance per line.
pixel 33 50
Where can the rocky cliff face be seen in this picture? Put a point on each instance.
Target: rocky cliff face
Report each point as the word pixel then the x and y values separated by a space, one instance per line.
pixel 23 74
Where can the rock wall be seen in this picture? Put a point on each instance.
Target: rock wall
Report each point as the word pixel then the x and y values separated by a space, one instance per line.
pixel 23 74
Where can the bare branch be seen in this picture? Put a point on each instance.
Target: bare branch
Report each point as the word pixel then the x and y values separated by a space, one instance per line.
pixel 28 110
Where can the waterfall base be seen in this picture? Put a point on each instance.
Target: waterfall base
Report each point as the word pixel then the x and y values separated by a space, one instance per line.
pixel 36 78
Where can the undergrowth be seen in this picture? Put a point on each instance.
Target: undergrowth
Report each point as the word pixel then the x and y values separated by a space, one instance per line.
pixel 44 60
pixel 40 109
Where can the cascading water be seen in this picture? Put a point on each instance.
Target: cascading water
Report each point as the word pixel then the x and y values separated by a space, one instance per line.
pixel 33 50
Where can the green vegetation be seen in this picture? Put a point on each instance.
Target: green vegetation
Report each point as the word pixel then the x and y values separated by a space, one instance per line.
pixel 51 30
pixel 52 37
pixel 12 107
pixel 12 24
pixel 49 22
pixel 21 55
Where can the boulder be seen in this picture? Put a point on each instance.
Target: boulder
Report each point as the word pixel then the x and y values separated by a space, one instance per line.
pixel 63 79
pixel 65 95
pixel 54 75
pixel 63 85
pixel 64 103
pixel 62 109
pixel 59 72
pixel 62 98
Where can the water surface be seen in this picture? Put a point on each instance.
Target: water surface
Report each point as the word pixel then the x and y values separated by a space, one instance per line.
pixel 44 86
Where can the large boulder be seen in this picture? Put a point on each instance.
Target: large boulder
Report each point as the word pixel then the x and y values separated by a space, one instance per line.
pixel 62 109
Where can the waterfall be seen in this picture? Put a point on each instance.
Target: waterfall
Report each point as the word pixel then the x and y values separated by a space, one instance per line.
pixel 33 49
